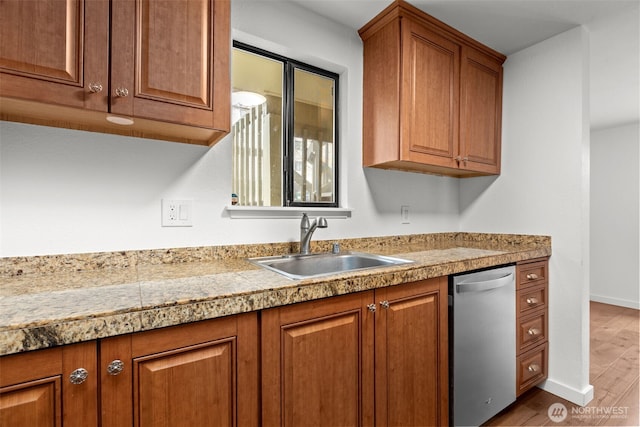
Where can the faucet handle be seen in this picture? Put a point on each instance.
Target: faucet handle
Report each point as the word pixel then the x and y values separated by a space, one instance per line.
pixel 304 222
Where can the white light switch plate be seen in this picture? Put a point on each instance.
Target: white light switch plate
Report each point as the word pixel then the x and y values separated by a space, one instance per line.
pixel 404 214
pixel 177 213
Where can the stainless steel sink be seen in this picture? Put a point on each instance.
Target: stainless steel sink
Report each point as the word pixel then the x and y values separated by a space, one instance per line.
pixel 314 265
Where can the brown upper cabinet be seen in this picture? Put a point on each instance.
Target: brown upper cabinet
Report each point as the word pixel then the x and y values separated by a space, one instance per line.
pixel 432 96
pixel 164 64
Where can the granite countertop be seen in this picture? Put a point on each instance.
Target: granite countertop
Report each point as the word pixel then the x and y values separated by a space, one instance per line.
pixel 62 299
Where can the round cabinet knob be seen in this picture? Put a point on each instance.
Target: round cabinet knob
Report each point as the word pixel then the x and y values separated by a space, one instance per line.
pixel 78 376
pixel 384 304
pixel 532 301
pixel 372 308
pixel 532 276
pixel 533 331
pixel 95 87
pixel 122 92
pixel 115 367
pixel 533 367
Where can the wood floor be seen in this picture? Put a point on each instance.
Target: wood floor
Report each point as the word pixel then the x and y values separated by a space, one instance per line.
pixel 613 374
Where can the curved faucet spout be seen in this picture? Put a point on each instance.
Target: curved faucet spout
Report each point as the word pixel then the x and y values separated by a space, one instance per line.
pixel 306 231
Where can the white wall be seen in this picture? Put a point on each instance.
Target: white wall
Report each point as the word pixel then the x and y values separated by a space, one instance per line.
pixel 64 191
pixel 544 189
pixel 615 68
pixel 615 215
pixel 615 161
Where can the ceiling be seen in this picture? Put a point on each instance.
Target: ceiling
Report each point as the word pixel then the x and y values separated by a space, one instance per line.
pixel 505 25
pixel 512 25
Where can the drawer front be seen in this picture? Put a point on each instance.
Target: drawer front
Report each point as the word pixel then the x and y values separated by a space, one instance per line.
pixel 531 274
pixel 532 299
pixel 532 368
pixel 532 330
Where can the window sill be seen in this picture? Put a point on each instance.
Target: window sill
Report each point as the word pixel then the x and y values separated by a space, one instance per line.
pixel 265 212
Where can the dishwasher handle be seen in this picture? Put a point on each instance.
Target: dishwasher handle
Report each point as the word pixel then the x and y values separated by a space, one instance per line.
pixel 484 285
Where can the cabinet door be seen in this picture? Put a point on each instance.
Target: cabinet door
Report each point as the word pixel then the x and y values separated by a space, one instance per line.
pixel 36 391
pixel 200 374
pixel 429 108
pixel 480 112
pixel 317 363
pixel 411 354
pixel 52 51
pixel 172 59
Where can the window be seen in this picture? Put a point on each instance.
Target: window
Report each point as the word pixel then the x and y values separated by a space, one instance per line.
pixel 284 129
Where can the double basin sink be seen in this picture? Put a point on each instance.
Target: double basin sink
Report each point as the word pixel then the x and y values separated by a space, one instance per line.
pixel 314 265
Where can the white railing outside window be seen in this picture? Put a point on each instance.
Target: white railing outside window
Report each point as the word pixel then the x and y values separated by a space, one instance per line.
pixel 313 168
pixel 251 156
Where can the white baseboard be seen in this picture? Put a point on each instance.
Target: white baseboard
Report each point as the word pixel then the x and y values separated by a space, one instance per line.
pixel 579 397
pixel 615 301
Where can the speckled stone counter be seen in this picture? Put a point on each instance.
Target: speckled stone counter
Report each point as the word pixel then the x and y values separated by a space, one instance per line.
pixel 62 299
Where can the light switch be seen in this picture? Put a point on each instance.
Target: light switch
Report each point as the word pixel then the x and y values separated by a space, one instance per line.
pixel 183 212
pixel 404 214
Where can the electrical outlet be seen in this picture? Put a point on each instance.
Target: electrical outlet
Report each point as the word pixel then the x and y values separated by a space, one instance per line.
pixel 177 213
pixel 404 214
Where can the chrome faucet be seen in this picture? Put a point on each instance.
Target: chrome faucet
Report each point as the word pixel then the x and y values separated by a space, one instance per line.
pixel 306 231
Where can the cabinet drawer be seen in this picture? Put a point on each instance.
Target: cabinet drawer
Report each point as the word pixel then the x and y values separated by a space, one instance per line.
pixel 532 368
pixel 532 330
pixel 531 299
pixel 531 274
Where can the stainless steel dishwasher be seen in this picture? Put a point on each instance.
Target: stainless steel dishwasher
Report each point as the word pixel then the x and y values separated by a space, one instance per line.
pixel 482 344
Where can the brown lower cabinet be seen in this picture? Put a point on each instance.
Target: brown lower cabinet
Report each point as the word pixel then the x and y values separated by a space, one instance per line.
pixel 532 325
pixel 375 357
pixel 198 374
pixel 53 387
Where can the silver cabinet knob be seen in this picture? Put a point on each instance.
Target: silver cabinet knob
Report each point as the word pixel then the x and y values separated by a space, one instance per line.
pixel 115 367
pixel 532 276
pixel 372 308
pixel 533 367
pixel 384 304
pixel 78 376
pixel 122 92
pixel 95 87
